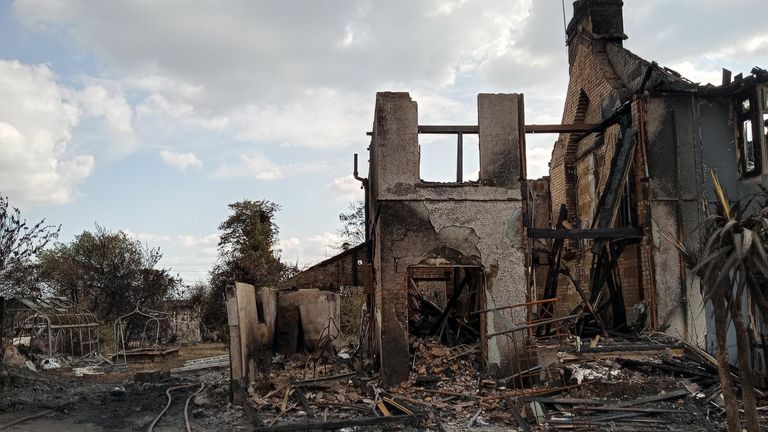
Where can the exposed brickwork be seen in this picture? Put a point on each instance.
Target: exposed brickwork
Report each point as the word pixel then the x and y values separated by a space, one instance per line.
pixel 340 270
pixel 581 165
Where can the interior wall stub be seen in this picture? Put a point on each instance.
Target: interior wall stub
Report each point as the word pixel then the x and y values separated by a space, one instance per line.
pixel 417 223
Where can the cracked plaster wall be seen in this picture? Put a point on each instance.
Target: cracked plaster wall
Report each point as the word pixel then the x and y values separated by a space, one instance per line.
pixel 416 223
pixel 686 138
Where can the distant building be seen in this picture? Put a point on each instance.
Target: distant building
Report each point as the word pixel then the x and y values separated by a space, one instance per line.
pixel 343 269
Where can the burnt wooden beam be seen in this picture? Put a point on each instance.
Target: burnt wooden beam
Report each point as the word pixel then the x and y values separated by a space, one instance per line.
pixel 325 378
pixel 449 129
pixel 339 424
pixel 561 128
pixel 530 128
pixel 610 200
pixel 555 257
pixel 594 233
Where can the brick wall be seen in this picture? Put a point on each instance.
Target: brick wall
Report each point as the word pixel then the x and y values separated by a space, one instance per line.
pixel 340 270
pixel 593 78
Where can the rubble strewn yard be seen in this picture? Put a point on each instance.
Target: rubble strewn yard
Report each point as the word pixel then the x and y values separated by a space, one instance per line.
pixel 635 384
pixel 641 384
pixel 56 399
pixel 625 290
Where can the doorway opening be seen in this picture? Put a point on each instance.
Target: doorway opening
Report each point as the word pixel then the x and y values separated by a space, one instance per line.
pixel 443 302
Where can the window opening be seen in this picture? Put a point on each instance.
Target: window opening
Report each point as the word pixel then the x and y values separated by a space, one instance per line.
pixel 765 127
pixel 745 105
pixel 437 158
pixel 443 301
pixel 449 157
pixel 749 138
pixel 748 147
pixel 471 162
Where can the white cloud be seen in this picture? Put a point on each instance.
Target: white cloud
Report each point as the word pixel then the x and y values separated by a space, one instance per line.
pixel 309 250
pixel 288 75
pixel 163 85
pixel 191 256
pixel 180 161
pixel 149 238
pixel 162 109
pixel 37 163
pixel 258 166
pixel 346 188
pixel 322 118
pixel 240 51
pixel 538 157
pixel 270 72
pixel 254 165
pixel 207 241
pixel 97 101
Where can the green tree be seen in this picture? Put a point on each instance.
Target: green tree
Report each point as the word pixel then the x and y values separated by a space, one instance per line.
pixel 19 243
pixel 352 231
pixel 247 253
pixel 107 272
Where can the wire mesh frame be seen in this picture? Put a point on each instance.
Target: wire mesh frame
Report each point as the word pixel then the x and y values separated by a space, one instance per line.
pixel 58 319
pixel 152 316
pixel 526 338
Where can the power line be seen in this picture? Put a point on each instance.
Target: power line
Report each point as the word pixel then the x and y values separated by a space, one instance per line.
pixel 565 26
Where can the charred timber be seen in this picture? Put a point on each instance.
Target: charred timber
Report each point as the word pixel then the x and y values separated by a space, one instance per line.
pixel 595 233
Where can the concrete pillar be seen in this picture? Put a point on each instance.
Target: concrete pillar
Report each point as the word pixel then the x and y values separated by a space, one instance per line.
pixel 395 144
pixel 392 298
pixel 502 139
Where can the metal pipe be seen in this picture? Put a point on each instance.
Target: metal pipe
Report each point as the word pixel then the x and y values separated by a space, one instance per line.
pixel 540 323
pixel 364 185
pixel 459 157
pixel 530 303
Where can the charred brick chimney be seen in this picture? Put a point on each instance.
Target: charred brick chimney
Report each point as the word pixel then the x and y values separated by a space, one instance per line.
pixel 599 19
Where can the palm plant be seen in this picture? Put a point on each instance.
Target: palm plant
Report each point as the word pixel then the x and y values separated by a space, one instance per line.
pixel 730 265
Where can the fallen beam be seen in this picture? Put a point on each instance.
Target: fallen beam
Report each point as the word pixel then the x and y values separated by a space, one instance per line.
pixel 339 424
pixel 200 366
pixel 633 409
pixel 325 378
pixel 658 398
pixel 612 355
pixel 595 233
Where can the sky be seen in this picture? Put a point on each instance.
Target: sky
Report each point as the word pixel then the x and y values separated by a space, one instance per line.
pixel 150 116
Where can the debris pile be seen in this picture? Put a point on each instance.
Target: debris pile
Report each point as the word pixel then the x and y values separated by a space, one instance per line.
pixel 26 357
pixel 604 384
pixel 305 389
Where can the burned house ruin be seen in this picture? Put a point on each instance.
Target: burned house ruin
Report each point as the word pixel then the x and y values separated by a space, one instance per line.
pixel 467 233
pixel 642 175
pixel 505 262
pixel 598 241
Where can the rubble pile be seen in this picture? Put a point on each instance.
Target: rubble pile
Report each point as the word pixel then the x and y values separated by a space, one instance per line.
pixel 25 357
pixel 600 384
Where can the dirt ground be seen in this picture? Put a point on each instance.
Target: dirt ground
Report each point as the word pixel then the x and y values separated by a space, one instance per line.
pixel 114 402
pixel 457 395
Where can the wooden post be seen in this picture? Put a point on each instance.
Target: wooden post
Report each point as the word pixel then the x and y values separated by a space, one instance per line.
pixel 235 355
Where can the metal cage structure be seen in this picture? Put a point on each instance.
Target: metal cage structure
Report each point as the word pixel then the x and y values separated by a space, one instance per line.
pixel 61 326
pixel 142 328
